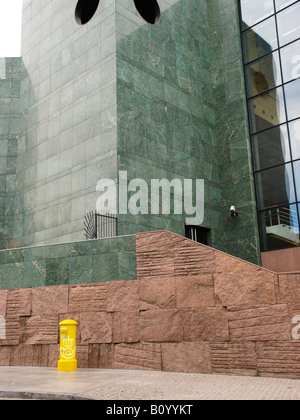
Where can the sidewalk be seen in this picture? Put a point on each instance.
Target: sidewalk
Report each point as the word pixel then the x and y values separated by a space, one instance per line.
pixel 35 383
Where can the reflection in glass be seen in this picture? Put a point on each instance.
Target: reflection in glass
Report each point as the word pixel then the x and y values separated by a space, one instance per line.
pixel 280 4
pixel 279 227
pixel 267 110
pixel 294 128
pixel 288 22
pixel 275 186
pixel 290 58
pixel 297 178
pixel 253 11
pixel 271 55
pixel 260 40
pixel 292 95
pixel 263 75
pixel 271 147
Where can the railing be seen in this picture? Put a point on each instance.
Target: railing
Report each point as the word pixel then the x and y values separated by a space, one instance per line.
pixel 282 216
pixel 100 225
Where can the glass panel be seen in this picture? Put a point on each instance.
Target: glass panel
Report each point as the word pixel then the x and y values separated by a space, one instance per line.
pixel 253 11
pixel 271 148
pixel 297 178
pixel 288 22
pixel 279 228
pixel 294 128
pixel 267 110
pixel 292 95
pixel 260 40
pixel 290 59
pixel 275 186
pixel 263 75
pixel 280 4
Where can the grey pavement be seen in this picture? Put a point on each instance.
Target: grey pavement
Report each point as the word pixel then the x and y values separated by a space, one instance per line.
pixel 104 384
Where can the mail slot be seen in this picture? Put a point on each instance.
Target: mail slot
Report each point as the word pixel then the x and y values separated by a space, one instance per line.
pixel 67 361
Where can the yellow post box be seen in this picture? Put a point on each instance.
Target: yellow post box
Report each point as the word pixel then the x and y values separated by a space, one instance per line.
pixel 67 361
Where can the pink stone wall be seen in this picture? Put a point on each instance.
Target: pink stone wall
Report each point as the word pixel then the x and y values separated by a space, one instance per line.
pixel 191 309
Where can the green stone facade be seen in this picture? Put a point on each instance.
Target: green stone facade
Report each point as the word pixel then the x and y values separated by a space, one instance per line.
pixel 10 74
pixel 182 114
pixel 70 263
pixel 118 94
pixel 240 237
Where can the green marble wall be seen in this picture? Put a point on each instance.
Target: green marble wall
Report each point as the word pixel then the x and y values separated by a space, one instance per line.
pixel 166 112
pixel 68 139
pixel 10 76
pixel 163 101
pixel 71 263
pixel 240 236
pixel 182 114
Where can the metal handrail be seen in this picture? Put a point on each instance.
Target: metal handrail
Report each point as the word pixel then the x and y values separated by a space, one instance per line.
pixel 282 216
pixel 100 225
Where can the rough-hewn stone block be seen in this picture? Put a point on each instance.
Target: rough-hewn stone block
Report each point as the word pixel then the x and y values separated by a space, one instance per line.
pixel 247 288
pixel 155 254
pixel 122 296
pixel 87 298
pixel 12 331
pixel 82 355
pixel 279 358
pixel 205 324
pixel 101 356
pixel 27 355
pixel 186 357
pixel 237 358
pixel 5 352
pixel 144 356
pixel 191 258
pixel 3 299
pixel 161 325
pixel 19 302
pixel 39 329
pixel 53 355
pixel 194 291
pixel 95 327
pixel 267 323
pixel 157 292
pixel 225 263
pixel 289 290
pixel 126 327
pixel 50 300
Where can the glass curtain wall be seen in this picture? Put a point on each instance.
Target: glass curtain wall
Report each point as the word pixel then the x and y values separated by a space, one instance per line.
pixel 270 32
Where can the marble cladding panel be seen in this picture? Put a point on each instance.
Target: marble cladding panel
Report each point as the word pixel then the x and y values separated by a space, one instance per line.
pixel 83 262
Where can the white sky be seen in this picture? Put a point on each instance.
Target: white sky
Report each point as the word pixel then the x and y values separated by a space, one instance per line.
pixel 10 28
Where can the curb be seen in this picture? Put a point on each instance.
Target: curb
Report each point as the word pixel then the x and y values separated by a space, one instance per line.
pixel 41 396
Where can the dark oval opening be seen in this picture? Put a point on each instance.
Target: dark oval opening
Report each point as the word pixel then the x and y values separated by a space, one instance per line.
pixel 149 10
pixel 85 10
